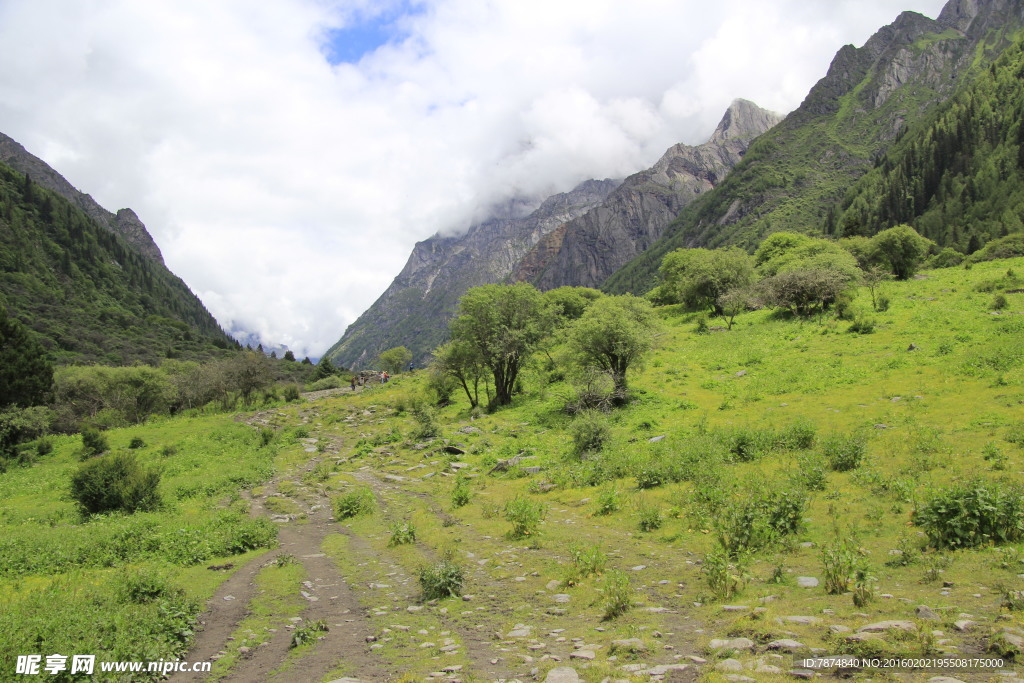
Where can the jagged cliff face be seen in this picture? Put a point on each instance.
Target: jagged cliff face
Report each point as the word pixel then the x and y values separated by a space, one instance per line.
pixel 576 238
pixel 124 223
pixel 793 177
pixel 415 309
pixel 587 250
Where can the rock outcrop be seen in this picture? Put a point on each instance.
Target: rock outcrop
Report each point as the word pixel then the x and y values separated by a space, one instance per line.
pixel 124 223
pixel 587 250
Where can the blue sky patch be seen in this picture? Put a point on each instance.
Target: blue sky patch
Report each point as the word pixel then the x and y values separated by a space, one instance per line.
pixel 351 43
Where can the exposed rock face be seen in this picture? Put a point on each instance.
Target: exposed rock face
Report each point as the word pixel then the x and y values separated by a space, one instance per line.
pixel 802 168
pixel 414 310
pixel 125 223
pixel 576 238
pixel 587 250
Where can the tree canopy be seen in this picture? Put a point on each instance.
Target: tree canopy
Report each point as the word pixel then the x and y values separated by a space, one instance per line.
pixel 698 277
pixel 613 335
pixel 503 324
pixel 25 375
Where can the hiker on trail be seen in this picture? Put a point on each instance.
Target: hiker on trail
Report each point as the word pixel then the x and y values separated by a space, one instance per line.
pixel 384 377
pixel 410 367
pixel 353 382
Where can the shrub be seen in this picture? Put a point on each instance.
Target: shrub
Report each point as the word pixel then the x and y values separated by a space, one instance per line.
pixel 44 446
pixel 839 560
pixel 308 633
pixel 143 585
pixel 115 482
pixel 358 501
pixel 747 444
pixel 618 595
pixel 648 518
pixel 94 442
pixel 999 302
pixel 804 292
pixel 798 436
pixel 585 561
pixel 608 501
pixel 426 422
pixel 973 514
pixel 757 520
pixel 862 326
pixel 844 453
pixel 402 533
pixel 136 443
pixel 460 493
pixel 525 515
pixel 724 578
pixel 441 580
pixel 810 473
pixel 590 432
pixel 291 392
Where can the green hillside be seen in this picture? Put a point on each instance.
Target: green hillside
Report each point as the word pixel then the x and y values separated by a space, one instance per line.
pixel 886 466
pixel 797 176
pixel 88 295
pixel 959 180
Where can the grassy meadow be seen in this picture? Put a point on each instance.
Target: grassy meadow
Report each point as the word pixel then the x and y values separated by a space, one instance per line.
pixel 747 461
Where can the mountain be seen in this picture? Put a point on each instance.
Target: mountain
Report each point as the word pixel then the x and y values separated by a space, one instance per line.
pixel 587 250
pixel 124 223
pixel 795 176
pixel 90 283
pixel 414 310
pixel 574 238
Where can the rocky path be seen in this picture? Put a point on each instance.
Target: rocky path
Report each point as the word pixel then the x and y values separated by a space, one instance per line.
pixel 516 623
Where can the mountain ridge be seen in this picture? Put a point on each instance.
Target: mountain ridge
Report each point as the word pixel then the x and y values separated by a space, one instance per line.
pixel 414 310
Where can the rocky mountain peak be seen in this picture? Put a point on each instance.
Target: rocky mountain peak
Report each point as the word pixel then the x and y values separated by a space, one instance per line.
pixel 125 223
pixel 743 119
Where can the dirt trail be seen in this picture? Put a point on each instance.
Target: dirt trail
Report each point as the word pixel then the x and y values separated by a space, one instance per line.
pixel 505 586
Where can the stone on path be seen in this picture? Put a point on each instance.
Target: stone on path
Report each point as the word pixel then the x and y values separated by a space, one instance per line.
pixel 806 582
pixel 729 666
pixel 731 644
pixel 785 645
pixel 562 674
pixel 926 612
pixel 882 626
pixel 583 654
pixel 631 645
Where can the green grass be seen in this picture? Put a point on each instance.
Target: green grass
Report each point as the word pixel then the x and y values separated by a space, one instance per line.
pixel 858 429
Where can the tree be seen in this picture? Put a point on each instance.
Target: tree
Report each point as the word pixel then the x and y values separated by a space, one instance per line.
pixel 461 361
pixel 325 368
pixel 570 302
pixel 804 292
pixel 613 335
pixel 503 324
pixel 734 302
pixel 248 372
pixel 901 249
pixel 26 377
pixel 395 359
pixel 289 356
pixel 697 277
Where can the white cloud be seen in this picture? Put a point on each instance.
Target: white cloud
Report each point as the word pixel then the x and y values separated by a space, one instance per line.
pixel 288 192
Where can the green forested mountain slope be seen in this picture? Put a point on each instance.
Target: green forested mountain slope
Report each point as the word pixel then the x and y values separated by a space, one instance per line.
pixel 88 294
pixel 795 176
pixel 959 180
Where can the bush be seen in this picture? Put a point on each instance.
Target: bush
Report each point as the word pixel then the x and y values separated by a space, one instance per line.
pixel 839 561
pixel 862 326
pixel 402 533
pixel 724 578
pixel 291 392
pixel 441 580
pixel 618 595
pixel 115 482
pixel 844 453
pixel 590 432
pixel 426 422
pixel 999 302
pixel 608 501
pixel 755 521
pixel 973 514
pixel 798 436
pixel 356 502
pixel 136 443
pixel 525 516
pixel 93 443
pixel 804 292
pixel 648 518
pixel 143 585
pixel 584 563
pixel 460 493
pixel 308 633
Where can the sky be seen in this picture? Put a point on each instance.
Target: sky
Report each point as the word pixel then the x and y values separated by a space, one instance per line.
pixel 286 155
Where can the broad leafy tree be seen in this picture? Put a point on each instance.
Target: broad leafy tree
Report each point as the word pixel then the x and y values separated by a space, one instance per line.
pixel 503 324
pixel 395 360
pixel 613 335
pixel 462 361
pixel 698 277
pixel 901 249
